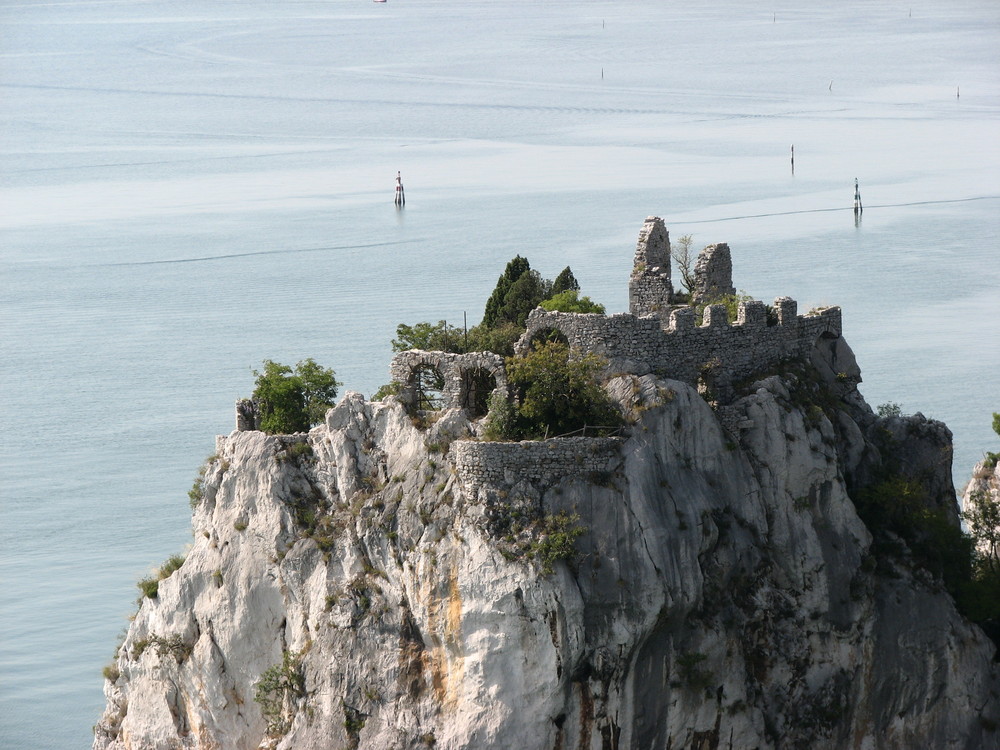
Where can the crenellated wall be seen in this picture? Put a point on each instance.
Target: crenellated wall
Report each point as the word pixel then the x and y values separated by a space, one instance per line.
pixel 683 350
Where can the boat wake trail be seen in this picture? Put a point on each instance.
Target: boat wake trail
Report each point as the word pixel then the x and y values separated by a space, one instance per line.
pixel 283 251
pixel 840 208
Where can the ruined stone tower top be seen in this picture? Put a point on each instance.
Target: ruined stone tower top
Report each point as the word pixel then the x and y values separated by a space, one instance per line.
pixel 713 274
pixel 649 287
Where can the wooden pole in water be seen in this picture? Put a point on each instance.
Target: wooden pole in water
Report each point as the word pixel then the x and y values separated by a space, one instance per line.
pixel 793 158
pixel 858 208
pixel 400 199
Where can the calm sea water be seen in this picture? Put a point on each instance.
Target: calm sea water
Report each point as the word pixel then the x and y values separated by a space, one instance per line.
pixel 191 187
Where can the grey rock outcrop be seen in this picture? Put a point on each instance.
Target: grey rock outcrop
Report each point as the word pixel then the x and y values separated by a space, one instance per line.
pixel 399 593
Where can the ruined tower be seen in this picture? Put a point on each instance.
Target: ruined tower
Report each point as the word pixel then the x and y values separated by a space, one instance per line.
pixel 713 274
pixel 649 287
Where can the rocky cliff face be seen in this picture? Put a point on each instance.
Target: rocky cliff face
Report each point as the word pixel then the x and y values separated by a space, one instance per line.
pixel 705 587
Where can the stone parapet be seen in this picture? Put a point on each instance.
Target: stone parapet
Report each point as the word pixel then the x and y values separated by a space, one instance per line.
pixel 542 462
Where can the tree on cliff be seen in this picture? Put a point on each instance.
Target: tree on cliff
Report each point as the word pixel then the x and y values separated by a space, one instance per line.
pixel 556 392
pixel 571 301
pixel 514 270
pixel 565 282
pixel 518 291
pixel 293 400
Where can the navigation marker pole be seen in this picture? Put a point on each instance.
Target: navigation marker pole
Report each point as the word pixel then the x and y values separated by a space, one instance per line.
pixel 400 200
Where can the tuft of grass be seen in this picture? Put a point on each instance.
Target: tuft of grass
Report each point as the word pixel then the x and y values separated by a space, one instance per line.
pixel 150 587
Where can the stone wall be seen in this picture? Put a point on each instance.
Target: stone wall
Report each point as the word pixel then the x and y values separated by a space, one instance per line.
pixel 542 462
pixel 684 351
pixel 462 375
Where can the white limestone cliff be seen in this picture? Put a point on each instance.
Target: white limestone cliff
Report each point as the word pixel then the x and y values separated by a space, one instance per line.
pixel 722 595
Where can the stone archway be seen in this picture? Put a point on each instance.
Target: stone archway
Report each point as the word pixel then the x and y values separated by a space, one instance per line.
pixel 428 387
pixel 477 385
pixel 545 334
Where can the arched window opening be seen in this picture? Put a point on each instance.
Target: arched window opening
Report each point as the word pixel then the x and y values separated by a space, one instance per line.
pixel 544 335
pixel 477 384
pixel 428 388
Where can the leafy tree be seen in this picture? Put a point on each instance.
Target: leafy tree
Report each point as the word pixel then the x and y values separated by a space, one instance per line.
pixel 557 391
pixel 565 282
pixel 889 409
pixel 524 295
pixel 570 301
pixel 500 339
pixel 515 268
pixel 278 691
pixel 293 400
pixel 518 291
pixel 684 256
pixel 434 337
pixel 983 518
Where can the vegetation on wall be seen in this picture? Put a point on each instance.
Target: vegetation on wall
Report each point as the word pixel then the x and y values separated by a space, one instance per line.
pixel 518 291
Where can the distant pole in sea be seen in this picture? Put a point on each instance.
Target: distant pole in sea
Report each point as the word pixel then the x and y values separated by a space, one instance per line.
pixel 400 200
pixel 958 92
pixel 793 158
pixel 858 208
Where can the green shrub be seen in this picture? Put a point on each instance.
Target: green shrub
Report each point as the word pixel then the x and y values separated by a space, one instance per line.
pixel 503 418
pixel 692 674
pixel 559 533
pixel 150 587
pixel 293 401
pixel 277 692
pixel 889 409
pixel 558 392
pixel 570 301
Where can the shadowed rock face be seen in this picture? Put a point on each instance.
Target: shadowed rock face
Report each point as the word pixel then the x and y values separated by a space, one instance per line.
pixel 721 593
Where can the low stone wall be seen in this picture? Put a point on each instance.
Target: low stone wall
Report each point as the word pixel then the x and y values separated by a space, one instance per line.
pixel 542 462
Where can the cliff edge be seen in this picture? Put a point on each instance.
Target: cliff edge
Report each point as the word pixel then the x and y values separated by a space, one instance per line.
pixel 722 593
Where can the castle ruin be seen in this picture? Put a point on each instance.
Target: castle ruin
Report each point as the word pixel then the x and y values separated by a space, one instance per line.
pixel 658 335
